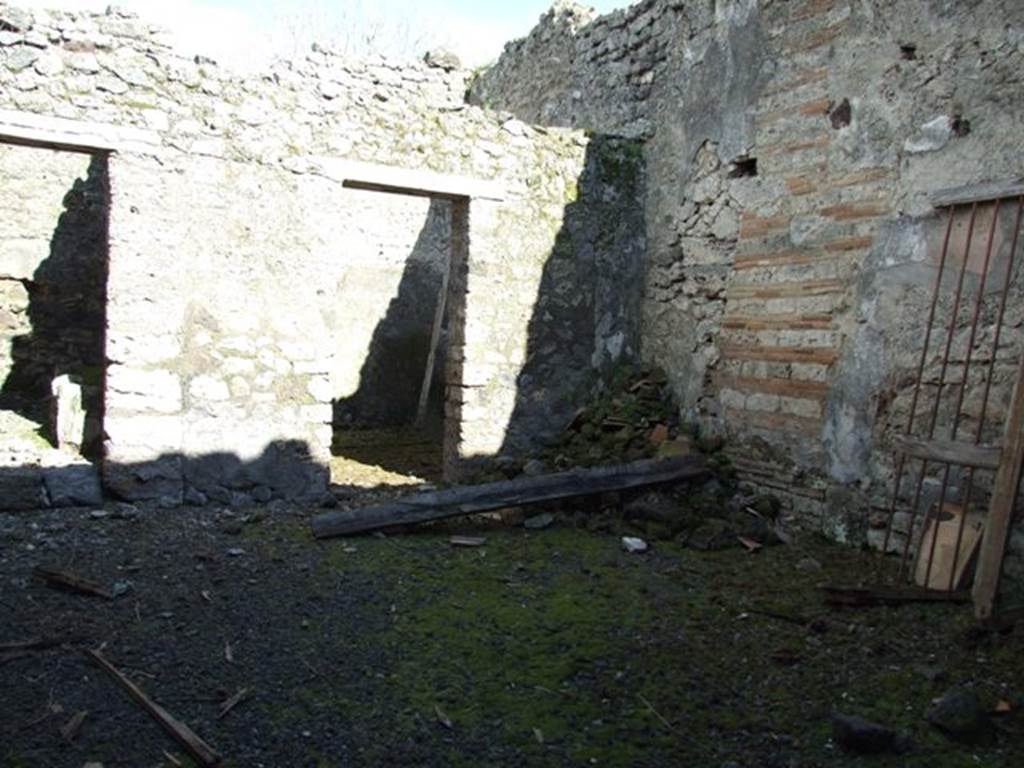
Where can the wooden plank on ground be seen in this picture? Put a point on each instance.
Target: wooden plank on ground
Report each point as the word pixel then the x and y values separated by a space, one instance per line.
pixel 522 491
pixel 1001 509
pixel 866 596
pixel 71 582
pixel 185 736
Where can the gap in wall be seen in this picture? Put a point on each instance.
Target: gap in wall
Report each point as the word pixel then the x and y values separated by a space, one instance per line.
pixel 54 211
pixel 382 435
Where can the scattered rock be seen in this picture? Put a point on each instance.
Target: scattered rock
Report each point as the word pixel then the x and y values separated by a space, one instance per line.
pixel 634 545
pixel 766 505
pixel 124 511
pixel 929 672
pixel 74 485
pixel 961 717
pixel 23 489
pixel 441 58
pixel 653 505
pixel 712 534
pixel 659 434
pixel 859 736
pixel 15 19
pixel 537 522
pixel 236 552
pixel 534 467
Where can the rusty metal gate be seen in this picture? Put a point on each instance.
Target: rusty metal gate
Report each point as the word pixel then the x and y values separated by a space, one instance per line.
pixel 972 458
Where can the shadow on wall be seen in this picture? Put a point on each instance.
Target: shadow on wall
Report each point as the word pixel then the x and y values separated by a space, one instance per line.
pixel 583 320
pixel 393 370
pixel 581 324
pixel 585 317
pixel 285 470
pixel 67 297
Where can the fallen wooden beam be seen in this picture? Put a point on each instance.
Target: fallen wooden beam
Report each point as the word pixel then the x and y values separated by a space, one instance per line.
pixel 856 597
pixel 195 746
pixel 522 491
pixel 70 582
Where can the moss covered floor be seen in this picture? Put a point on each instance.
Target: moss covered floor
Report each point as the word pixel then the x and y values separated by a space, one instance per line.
pixel 541 648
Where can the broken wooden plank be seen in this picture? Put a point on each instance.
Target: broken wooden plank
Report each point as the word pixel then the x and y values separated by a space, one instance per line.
pixel 951 452
pixel 1001 508
pixel 868 596
pixel 467 541
pixel 71 582
pixel 522 491
pixel 71 728
pixel 231 703
pixel 195 746
pixel 38 644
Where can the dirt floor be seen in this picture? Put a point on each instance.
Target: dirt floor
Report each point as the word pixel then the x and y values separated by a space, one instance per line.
pixel 541 648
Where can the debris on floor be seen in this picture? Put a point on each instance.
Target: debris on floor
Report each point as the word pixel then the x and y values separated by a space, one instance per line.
pixel 203 753
pixel 72 583
pixel 634 545
pixel 521 491
pixel 856 735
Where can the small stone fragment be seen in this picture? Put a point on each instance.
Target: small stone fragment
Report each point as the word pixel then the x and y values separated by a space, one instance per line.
pixel 534 467
pixel 441 58
pixel 808 565
pixel 537 522
pixel 961 717
pixel 859 736
pixel 634 545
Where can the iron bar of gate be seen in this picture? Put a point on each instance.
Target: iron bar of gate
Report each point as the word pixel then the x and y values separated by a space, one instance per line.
pixel 901 461
pixel 938 392
pixel 1000 314
pixel 964 380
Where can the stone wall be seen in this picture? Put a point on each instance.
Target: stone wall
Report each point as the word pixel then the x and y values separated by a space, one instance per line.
pixel 240 277
pixel 579 69
pixel 792 150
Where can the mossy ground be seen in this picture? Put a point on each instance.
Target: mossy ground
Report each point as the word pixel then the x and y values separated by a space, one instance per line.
pixel 540 648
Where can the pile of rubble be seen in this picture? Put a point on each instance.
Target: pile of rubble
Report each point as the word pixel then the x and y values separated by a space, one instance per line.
pixel 635 417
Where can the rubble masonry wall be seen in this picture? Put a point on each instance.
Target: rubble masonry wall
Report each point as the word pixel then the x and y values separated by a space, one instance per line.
pixel 243 277
pixel 787 301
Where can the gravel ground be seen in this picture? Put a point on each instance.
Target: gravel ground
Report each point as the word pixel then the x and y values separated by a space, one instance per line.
pixel 540 648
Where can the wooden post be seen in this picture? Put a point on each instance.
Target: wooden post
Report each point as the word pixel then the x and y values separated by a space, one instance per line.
pixel 435 338
pixel 1004 498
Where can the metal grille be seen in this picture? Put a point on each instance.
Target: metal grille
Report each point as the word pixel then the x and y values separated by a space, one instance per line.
pixel 940 443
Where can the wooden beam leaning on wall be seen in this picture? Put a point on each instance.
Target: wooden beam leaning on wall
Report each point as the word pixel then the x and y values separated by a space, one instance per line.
pixel 1000 515
pixel 522 491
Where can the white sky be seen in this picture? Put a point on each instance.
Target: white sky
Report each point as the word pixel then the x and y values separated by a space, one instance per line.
pixel 247 33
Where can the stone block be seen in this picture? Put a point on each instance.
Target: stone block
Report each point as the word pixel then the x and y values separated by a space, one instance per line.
pixel 68 413
pixel 21 488
pixel 76 485
pixel 145 480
